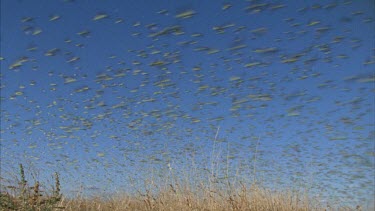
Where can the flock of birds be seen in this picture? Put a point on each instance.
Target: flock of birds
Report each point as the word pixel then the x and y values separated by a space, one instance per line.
pixel 98 92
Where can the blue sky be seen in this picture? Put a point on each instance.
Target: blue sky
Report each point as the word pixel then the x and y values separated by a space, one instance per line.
pixel 107 90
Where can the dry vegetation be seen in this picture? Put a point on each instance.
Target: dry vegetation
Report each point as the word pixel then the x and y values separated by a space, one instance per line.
pixel 180 194
pixel 195 190
pixel 25 197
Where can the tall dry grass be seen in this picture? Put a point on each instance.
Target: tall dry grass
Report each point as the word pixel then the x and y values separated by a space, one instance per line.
pixel 193 190
pixel 185 194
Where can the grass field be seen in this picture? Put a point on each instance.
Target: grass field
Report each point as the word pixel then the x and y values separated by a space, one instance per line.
pixel 163 194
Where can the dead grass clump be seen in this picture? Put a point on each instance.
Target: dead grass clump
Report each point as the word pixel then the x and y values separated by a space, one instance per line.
pixel 24 197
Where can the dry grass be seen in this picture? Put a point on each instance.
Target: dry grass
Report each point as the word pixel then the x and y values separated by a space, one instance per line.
pixel 169 198
pixel 191 190
pixel 24 197
pixel 166 194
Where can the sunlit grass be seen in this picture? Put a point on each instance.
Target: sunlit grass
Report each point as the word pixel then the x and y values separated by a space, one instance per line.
pixel 187 189
pixel 179 194
pixel 196 190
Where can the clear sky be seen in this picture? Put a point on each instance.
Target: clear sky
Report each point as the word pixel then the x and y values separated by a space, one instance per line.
pixel 104 91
